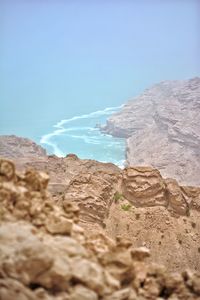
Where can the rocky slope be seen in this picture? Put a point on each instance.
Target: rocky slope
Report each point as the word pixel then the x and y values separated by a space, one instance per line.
pixel 13 147
pixel 137 203
pixel 162 129
pixel 45 254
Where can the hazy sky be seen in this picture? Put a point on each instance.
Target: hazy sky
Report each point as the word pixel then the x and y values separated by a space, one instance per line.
pixel 60 58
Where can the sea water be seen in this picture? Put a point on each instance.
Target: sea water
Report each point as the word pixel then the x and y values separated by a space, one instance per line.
pixel 80 135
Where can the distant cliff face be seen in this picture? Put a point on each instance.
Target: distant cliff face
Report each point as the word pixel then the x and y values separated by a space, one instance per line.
pixel 13 147
pixel 162 127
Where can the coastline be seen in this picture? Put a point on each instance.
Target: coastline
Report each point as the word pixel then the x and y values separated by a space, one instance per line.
pixel 158 131
pixel 81 134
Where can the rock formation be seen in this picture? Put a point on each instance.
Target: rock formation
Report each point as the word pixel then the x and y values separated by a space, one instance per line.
pixel 162 129
pixel 43 257
pixel 137 203
pixel 12 146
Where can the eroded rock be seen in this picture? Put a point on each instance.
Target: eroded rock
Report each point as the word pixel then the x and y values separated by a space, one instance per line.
pixel 25 198
pixel 144 186
pixel 39 264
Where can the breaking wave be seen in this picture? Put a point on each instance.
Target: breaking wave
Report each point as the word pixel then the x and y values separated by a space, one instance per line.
pixel 80 135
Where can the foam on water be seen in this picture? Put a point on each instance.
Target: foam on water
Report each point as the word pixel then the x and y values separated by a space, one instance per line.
pixel 79 135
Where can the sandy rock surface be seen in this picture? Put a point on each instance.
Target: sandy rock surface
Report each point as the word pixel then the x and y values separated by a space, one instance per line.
pixel 137 203
pixel 38 264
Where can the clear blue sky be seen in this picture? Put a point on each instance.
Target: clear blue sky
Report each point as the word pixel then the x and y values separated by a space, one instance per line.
pixel 60 58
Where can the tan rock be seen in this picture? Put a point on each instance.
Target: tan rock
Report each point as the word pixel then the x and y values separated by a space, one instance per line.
pixel 140 253
pixel 144 186
pixel 11 289
pixel 176 197
pixel 192 281
pixel 66 245
pixel 151 226
pixel 58 276
pixel 89 273
pixel 36 181
pixel 83 293
pixel 7 169
pixel 120 295
pixel 35 264
pixel 72 210
pixel 93 193
pixel 59 225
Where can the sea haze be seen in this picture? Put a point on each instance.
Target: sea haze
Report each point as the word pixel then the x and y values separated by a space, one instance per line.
pixel 63 62
pixel 80 134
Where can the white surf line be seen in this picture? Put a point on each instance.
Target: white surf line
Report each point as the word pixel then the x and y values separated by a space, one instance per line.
pixel 85 116
pixel 82 128
pixel 46 139
pixel 87 139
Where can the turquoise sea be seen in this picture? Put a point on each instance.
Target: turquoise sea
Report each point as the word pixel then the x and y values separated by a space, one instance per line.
pixel 66 66
pixel 80 135
pixel 77 133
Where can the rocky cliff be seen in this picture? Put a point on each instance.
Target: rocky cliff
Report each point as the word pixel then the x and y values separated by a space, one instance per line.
pixel 136 203
pixel 162 129
pixel 14 147
pixel 45 254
